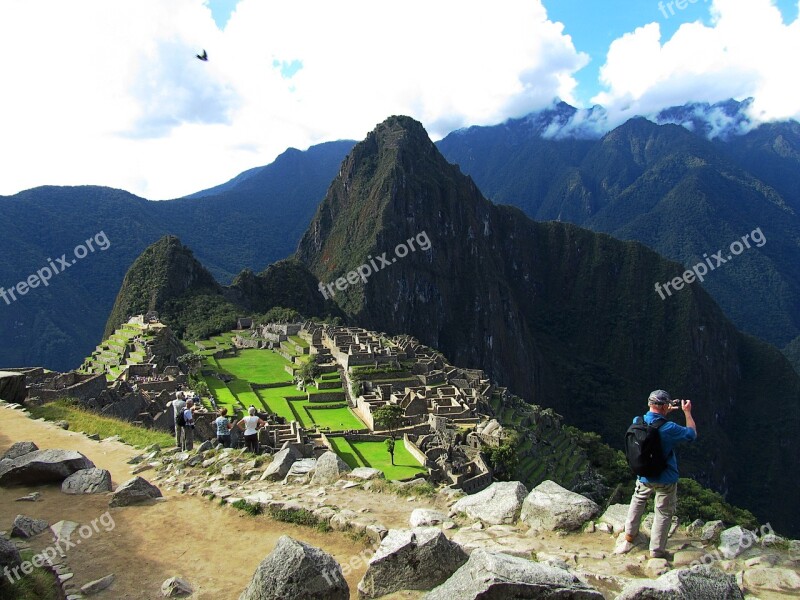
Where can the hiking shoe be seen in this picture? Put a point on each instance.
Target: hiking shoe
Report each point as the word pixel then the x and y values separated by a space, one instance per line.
pixel 624 544
pixel 661 554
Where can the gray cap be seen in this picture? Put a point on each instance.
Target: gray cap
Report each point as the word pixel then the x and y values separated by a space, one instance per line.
pixel 658 397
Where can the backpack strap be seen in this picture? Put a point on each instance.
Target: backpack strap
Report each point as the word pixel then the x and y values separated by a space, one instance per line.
pixel 658 422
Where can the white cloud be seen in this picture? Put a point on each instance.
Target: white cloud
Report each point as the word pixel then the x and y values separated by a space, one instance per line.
pixel 747 51
pixel 108 92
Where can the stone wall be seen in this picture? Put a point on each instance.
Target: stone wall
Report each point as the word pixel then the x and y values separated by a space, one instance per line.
pixel 12 387
pixel 88 386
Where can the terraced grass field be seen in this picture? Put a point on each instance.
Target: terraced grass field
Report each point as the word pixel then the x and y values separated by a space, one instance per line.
pixel 375 455
pixel 223 395
pixel 256 366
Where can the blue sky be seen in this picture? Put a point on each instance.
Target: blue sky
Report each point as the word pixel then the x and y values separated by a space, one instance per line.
pixel 593 25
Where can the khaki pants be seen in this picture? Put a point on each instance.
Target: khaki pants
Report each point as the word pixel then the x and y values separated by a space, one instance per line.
pixel 665 501
pixel 187 437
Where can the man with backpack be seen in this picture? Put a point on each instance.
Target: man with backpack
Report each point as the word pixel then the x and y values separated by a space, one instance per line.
pixel 650 449
pixel 178 406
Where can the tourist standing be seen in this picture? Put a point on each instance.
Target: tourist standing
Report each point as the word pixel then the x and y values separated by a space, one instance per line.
pixel 178 406
pixel 223 427
pixel 187 437
pixel 250 425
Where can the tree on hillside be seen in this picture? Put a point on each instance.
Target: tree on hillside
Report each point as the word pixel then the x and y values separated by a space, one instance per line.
pixel 191 362
pixel 504 458
pixel 388 416
pixel 309 370
pixel 390 447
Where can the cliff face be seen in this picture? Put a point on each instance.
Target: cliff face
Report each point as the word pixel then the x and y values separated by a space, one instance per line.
pixel 566 318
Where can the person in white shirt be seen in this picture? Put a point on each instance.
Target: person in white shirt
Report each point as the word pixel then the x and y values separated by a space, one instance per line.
pixel 250 426
pixel 187 431
pixel 178 406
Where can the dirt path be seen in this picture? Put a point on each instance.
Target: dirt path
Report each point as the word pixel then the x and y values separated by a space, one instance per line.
pixel 215 548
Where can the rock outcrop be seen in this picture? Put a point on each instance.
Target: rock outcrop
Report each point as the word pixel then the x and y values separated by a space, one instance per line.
pixel 494 576
pixel 697 583
pixel 28 527
pixel 499 503
pixel 9 554
pixel 17 449
pixel 281 463
pixel 297 571
pixel 87 481
pixel 134 491
pixel 42 466
pixel 330 468
pixel 550 507
pixel 411 559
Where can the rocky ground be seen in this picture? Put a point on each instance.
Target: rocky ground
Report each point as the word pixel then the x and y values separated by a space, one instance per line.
pixel 195 533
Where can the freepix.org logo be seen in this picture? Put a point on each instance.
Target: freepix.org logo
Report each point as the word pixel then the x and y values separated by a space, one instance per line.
pixel 373 265
pixel 54 267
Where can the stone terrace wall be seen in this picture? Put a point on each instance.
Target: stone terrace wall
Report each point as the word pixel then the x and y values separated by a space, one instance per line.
pixel 12 387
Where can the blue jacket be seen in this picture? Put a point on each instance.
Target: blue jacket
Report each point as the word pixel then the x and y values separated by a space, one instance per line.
pixel 672 434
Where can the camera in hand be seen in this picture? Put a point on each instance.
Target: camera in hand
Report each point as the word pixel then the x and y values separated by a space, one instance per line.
pixel 676 403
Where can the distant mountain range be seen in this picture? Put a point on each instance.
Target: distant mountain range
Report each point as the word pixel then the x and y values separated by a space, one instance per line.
pixel 678 192
pixel 567 318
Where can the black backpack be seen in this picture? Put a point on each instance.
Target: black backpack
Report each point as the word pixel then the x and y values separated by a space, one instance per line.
pixel 643 448
pixel 180 419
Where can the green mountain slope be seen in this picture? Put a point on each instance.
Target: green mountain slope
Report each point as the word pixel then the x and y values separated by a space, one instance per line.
pixel 249 223
pixel 670 189
pixel 564 317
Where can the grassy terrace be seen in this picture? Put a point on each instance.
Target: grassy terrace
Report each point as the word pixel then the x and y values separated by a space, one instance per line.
pixel 89 422
pixel 256 366
pixel 375 455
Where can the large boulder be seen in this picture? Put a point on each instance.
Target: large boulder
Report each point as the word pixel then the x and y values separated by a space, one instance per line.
pixel 297 571
pixel 771 579
pixel 495 576
pixel 499 503
pixel 301 470
pixel 281 463
pixel 9 554
pixel 134 491
pixel 734 541
pixel 87 481
pixel 698 583
pixel 17 449
pixel 550 507
pixel 330 469
pixel 27 527
pixel 42 466
pixel 411 559
pixel 615 517
pixel 365 473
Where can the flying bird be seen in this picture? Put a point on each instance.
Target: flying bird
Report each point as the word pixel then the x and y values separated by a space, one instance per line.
pixel 203 56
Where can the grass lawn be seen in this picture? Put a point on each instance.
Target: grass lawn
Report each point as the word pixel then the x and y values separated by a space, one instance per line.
pixel 375 455
pixel 82 420
pixel 222 394
pixel 299 341
pixel 256 366
pixel 337 419
pixel 243 391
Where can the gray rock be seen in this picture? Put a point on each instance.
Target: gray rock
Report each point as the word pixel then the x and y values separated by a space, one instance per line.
pixel 207 445
pixel 656 567
pixel 411 559
pixel 550 507
pixel 62 424
pixel 711 531
pixel 695 527
pixel 175 587
pixel 698 583
pixel 42 466
pixel 27 527
pixel 734 541
pixel 63 530
pixel 134 491
pixel 32 497
pixel 495 576
pixel 615 516
pixel 17 449
pixel 424 517
pixel 365 473
pixel 93 436
pixel 87 481
pixel 499 503
pixel 9 554
pixel 300 471
pixel 281 463
pixel 98 585
pixel 297 571
pixel 771 579
pixel 330 468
